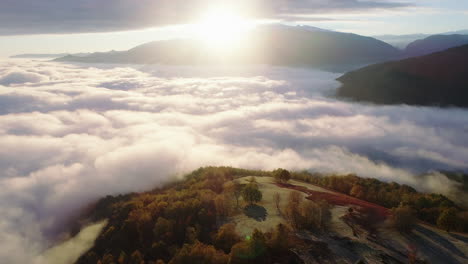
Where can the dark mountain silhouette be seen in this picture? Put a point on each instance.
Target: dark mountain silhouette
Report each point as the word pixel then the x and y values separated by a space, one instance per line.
pixel 274 44
pixel 434 43
pixel 436 79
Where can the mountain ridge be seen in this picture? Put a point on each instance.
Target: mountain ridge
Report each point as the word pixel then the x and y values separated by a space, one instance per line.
pixel 285 46
pixel 434 43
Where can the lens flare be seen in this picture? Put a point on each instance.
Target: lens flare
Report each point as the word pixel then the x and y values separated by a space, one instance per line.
pixel 221 27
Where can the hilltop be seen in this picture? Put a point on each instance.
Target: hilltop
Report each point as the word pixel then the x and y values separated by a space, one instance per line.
pixel 226 215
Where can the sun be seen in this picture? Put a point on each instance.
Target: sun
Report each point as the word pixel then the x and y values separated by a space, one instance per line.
pixel 222 26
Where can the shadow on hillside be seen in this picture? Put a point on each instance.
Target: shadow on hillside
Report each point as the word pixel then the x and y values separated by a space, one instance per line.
pixel 459 237
pixel 256 212
pixel 429 243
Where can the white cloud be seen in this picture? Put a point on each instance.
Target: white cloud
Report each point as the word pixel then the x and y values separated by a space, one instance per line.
pixel 20 77
pixel 81 132
pixel 70 250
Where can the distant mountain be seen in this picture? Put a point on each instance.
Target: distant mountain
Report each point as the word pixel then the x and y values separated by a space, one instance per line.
pixel 277 45
pixel 313 29
pixel 400 41
pixel 460 32
pixel 439 79
pixel 38 56
pixel 434 43
pixel 46 56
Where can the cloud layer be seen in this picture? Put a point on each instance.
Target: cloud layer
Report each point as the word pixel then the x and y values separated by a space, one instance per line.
pixel 72 16
pixel 72 133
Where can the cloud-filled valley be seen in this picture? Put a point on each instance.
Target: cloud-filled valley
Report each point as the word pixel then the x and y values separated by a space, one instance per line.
pixel 72 133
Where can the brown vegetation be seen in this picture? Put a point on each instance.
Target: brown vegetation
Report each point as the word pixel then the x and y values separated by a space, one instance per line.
pixel 382 195
pixel 306 214
pixel 404 218
pixel 187 221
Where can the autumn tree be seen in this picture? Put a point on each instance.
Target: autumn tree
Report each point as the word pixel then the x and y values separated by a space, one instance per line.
pixel 277 199
pixel 240 253
pixel 306 214
pixel 191 235
pixel 215 180
pixel 199 253
pixel 250 251
pixel 357 191
pixel 163 228
pixel 292 208
pixel 122 258
pixel 226 237
pixel 136 258
pixel 281 175
pixel 234 188
pixel 462 223
pixel 279 240
pixel 223 206
pixel 403 218
pixel 315 215
pixel 447 219
pixel 257 243
pixel 237 190
pixel 108 259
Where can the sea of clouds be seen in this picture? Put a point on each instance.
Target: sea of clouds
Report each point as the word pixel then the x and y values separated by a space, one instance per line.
pixel 71 133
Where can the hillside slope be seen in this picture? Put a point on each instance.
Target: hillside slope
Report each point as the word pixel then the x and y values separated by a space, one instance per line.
pixel 198 220
pixel 439 79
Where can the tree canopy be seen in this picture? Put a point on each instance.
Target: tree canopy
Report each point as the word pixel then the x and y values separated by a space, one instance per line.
pixel 252 194
pixel 281 175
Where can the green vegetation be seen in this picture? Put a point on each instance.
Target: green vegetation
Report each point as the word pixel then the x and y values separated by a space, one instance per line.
pixel 251 194
pixel 281 175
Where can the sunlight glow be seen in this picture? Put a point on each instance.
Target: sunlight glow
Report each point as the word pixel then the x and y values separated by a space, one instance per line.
pixel 222 26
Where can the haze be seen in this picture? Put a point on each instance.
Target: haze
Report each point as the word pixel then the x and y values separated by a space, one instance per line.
pixel 143 113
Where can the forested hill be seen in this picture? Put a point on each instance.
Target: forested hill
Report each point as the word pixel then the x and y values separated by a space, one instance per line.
pixel 438 79
pixel 222 215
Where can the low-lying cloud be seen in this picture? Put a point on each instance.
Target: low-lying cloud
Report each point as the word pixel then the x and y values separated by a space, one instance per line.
pixel 74 133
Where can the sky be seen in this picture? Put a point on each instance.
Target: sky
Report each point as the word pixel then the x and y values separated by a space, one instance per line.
pixel 69 26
